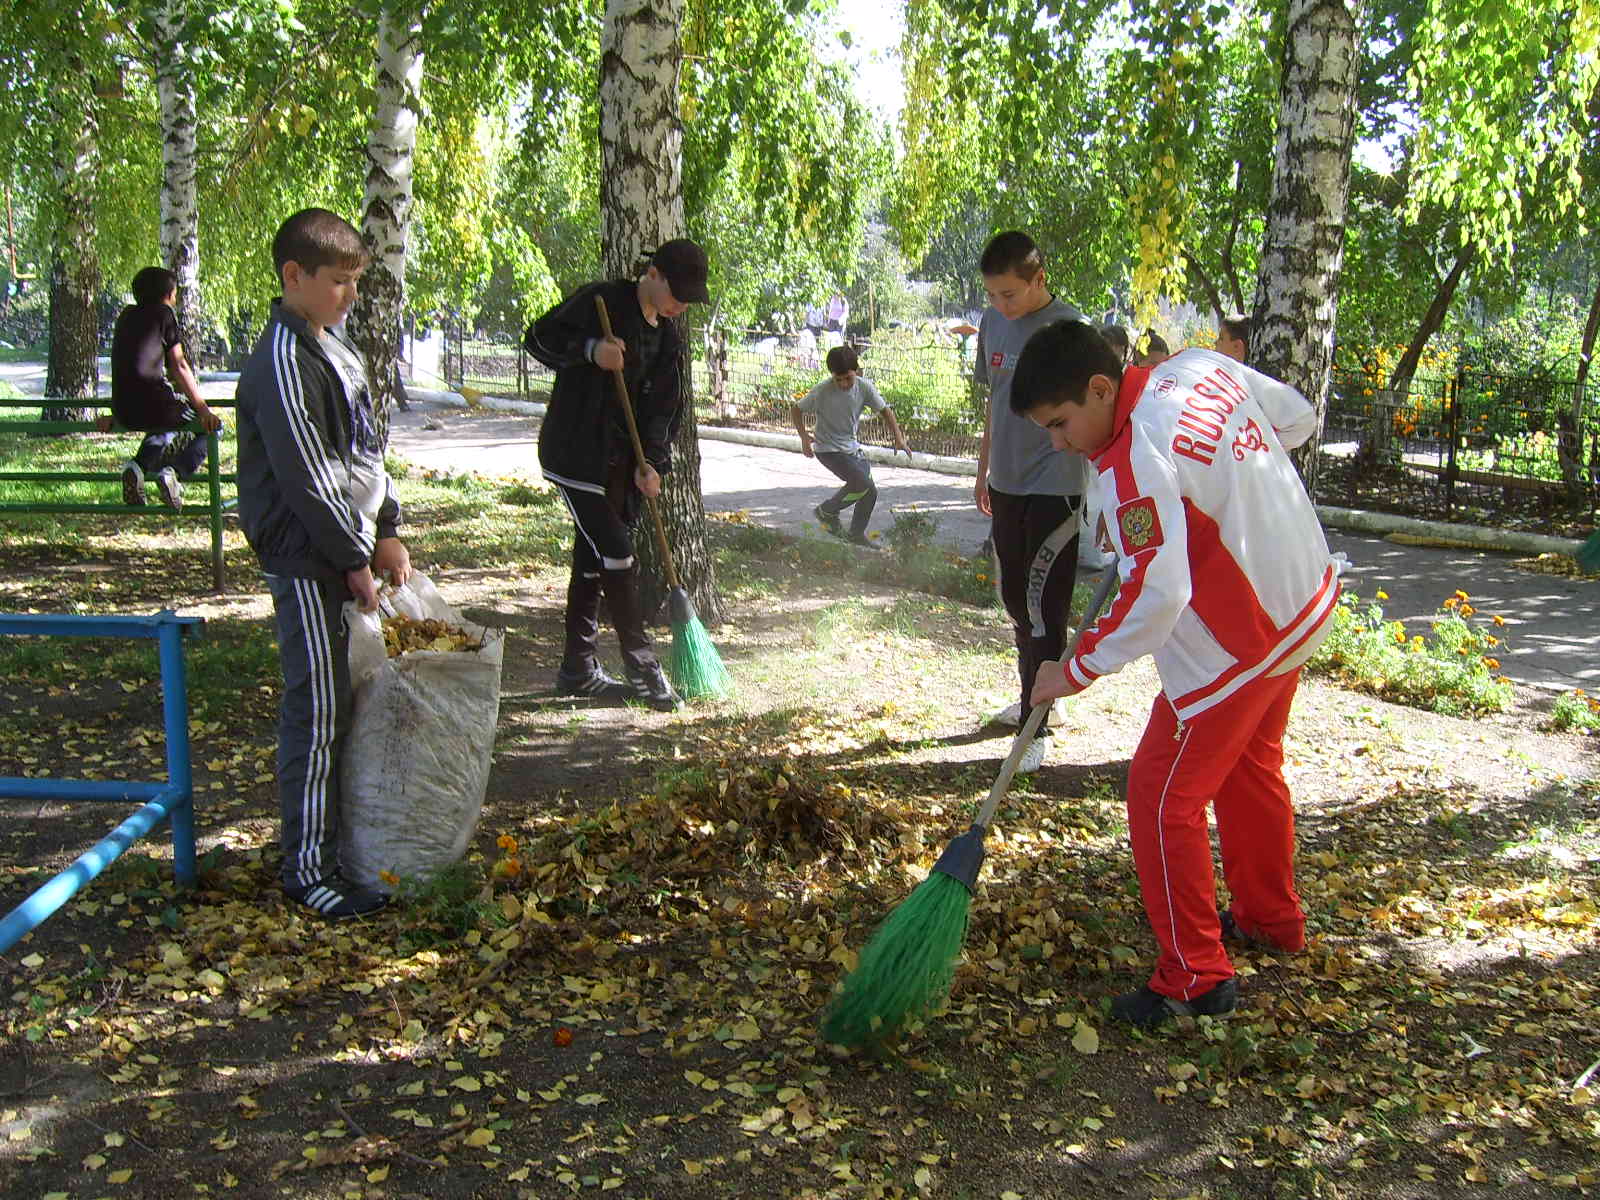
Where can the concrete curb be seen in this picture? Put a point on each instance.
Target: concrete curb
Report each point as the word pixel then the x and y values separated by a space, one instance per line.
pixel 1509 540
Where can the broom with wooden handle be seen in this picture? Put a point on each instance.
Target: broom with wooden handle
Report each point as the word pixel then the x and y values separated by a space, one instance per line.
pixel 694 664
pixel 906 970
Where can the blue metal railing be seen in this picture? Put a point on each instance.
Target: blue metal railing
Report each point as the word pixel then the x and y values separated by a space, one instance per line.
pixel 172 800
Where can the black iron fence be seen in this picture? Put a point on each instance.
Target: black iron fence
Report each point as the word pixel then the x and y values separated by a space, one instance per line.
pixel 1513 451
pixel 1516 451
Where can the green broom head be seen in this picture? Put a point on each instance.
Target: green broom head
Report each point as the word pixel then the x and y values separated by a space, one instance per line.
pixel 694 664
pixel 906 970
pixel 1589 553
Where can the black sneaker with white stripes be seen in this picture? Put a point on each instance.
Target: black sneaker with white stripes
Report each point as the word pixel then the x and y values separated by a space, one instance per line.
pixel 336 899
pixel 650 686
pixel 595 684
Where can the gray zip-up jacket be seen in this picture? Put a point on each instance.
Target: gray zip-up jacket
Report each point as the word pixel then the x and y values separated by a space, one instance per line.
pixel 313 493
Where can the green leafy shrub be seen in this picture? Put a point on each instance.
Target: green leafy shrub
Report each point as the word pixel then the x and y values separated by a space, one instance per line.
pixel 1576 711
pixel 1451 671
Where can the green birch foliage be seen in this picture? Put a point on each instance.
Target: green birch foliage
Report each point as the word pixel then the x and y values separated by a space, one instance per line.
pixel 1501 90
pixel 779 157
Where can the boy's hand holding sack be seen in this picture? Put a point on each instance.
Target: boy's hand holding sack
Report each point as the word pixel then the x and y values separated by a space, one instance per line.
pixel 416 765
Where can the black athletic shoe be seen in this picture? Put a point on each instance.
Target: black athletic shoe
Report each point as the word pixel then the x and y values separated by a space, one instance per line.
pixel 650 686
pixel 1146 1009
pixel 862 540
pixel 132 485
pixel 337 900
pixel 595 684
pixel 829 521
pixel 1231 932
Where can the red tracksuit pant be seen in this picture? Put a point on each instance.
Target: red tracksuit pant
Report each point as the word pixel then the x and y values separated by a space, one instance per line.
pixel 1230 757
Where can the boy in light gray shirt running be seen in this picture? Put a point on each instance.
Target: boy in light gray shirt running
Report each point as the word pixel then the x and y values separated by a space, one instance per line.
pixel 837 403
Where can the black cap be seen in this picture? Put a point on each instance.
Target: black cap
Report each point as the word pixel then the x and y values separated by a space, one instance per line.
pixel 683 264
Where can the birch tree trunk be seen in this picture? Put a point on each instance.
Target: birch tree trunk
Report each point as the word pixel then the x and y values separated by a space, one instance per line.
pixel 73 369
pixel 1297 288
pixel 180 203
pixel 641 206
pixel 386 211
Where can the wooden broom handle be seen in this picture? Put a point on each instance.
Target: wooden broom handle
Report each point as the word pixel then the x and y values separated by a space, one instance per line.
pixel 1008 768
pixel 638 451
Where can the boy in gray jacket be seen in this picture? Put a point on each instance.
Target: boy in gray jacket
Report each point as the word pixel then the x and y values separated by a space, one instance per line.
pixel 320 512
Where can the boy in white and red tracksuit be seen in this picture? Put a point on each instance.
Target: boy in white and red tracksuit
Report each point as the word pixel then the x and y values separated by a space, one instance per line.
pixel 1227 580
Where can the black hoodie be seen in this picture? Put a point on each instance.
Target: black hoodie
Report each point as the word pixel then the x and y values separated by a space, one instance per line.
pixel 584 430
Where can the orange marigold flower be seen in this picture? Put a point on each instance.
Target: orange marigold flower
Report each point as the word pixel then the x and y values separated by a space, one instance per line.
pixel 1490 640
pixel 1467 610
pixel 1399 636
pixel 507 843
pixel 1450 603
pixel 1460 595
pixel 1499 620
pixel 1492 663
pixel 388 877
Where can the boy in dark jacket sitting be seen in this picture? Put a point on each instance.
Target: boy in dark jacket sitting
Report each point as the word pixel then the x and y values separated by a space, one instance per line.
pixel 584 449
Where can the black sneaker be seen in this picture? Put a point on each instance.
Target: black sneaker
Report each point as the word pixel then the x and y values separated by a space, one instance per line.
pixel 1146 1009
pixel 829 521
pixel 132 485
pixel 337 900
pixel 1233 932
pixel 595 684
pixel 651 687
pixel 862 540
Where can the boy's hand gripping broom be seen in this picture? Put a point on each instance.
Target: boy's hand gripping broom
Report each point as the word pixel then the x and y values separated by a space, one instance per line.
pixel 694 665
pixel 907 968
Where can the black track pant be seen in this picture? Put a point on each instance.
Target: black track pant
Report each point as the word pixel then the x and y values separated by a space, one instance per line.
pixel 313 720
pixel 858 489
pixel 603 563
pixel 1036 564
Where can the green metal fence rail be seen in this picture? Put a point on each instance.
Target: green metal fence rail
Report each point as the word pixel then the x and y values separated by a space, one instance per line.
pixel 216 505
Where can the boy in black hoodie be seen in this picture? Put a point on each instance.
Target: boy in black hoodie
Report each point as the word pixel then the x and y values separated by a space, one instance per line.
pixel 584 449
pixel 320 512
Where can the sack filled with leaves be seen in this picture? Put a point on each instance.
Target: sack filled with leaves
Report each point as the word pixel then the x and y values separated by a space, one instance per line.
pixel 416 764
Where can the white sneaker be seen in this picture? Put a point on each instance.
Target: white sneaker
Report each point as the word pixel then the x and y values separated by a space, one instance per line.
pixel 1033 757
pixel 169 487
pixel 132 484
pixel 1012 717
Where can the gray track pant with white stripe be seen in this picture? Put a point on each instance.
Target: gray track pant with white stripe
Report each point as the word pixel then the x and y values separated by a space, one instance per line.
pixel 313 719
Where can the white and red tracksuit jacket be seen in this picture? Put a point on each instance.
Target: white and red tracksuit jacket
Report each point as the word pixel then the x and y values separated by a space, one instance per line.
pixel 1225 573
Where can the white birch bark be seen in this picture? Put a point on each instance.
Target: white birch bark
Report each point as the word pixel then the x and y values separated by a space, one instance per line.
pixel 641 206
pixel 1297 287
pixel 180 202
pixel 641 138
pixel 386 211
pixel 72 370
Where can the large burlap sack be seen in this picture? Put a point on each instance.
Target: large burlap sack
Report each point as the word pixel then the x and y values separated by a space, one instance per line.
pixel 416 763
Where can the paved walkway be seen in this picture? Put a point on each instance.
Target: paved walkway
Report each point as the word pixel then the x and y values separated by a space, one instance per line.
pixel 1552 630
